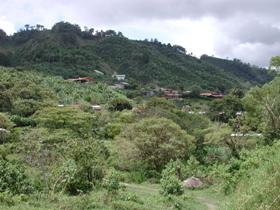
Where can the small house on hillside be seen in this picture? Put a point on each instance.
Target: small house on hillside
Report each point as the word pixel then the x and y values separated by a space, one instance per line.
pixel 98 72
pixel 120 77
pixel 212 95
pixel 96 107
pixel 120 85
pixel 81 79
pixel 171 94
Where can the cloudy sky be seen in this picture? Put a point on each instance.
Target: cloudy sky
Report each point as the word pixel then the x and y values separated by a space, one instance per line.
pixel 244 29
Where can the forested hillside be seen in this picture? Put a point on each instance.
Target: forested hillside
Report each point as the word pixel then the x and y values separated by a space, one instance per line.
pixel 68 51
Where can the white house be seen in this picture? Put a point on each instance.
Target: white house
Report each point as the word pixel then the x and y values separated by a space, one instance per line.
pixel 120 77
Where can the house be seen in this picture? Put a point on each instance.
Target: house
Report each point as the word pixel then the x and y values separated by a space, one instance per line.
pixel 81 79
pixel 212 95
pixel 120 77
pixel 239 113
pixel 3 130
pixel 96 107
pixel 171 94
pixel 120 85
pixel 98 72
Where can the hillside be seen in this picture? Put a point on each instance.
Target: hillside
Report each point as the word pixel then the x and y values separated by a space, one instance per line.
pixel 68 51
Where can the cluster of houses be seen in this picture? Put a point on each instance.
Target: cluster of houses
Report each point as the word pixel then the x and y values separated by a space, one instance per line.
pixel 174 94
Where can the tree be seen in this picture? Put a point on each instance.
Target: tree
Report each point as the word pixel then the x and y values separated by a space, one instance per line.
pixel 25 107
pixel 84 167
pixel 263 109
pixel 119 104
pixel 170 179
pixel 27 27
pixel 3 35
pixel 66 118
pixel 13 178
pixel 5 128
pixel 6 103
pixel 275 63
pixel 226 108
pixel 153 142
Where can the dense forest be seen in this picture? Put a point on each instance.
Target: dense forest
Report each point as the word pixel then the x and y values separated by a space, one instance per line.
pixel 71 145
pixel 69 51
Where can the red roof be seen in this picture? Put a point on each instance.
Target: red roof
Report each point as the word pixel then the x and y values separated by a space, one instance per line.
pixel 214 95
pixel 81 79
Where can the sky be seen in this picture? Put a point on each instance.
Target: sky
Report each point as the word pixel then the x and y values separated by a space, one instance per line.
pixel 245 29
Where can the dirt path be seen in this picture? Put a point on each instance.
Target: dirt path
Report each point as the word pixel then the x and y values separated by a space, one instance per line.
pixel 201 198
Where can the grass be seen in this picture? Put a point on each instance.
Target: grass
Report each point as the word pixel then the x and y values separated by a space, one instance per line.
pixel 144 196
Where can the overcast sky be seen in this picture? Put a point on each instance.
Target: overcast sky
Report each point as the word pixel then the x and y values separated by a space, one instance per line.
pixel 244 29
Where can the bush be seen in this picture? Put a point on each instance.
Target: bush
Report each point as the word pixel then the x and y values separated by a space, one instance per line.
pixel 13 178
pixel 112 130
pixel 25 107
pixel 111 182
pixel 84 168
pixel 170 182
pixel 258 181
pixel 5 122
pixel 23 121
pixel 119 104
pixel 151 143
pixel 6 126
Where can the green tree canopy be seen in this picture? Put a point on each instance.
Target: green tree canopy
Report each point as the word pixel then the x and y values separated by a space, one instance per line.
pixel 154 142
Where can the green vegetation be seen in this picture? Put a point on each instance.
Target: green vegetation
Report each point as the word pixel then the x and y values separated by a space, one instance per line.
pixel 71 145
pixel 68 51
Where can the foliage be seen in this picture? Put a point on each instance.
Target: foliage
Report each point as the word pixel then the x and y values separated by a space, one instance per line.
pixel 69 51
pixel 225 109
pixel 258 183
pixel 275 63
pixel 262 105
pixel 111 182
pixel 84 169
pixel 119 104
pixel 153 142
pixel 170 182
pixel 6 125
pixel 13 178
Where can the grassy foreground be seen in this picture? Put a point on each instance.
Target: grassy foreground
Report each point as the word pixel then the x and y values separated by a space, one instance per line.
pixel 133 197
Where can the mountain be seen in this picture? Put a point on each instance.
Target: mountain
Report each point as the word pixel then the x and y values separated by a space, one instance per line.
pixel 68 51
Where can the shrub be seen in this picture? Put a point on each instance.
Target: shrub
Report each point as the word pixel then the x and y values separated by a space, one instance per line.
pixel 111 182
pixel 170 182
pixel 6 126
pixel 84 168
pixel 112 130
pixel 23 121
pixel 152 143
pixel 25 107
pixel 119 104
pixel 5 122
pixel 13 178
